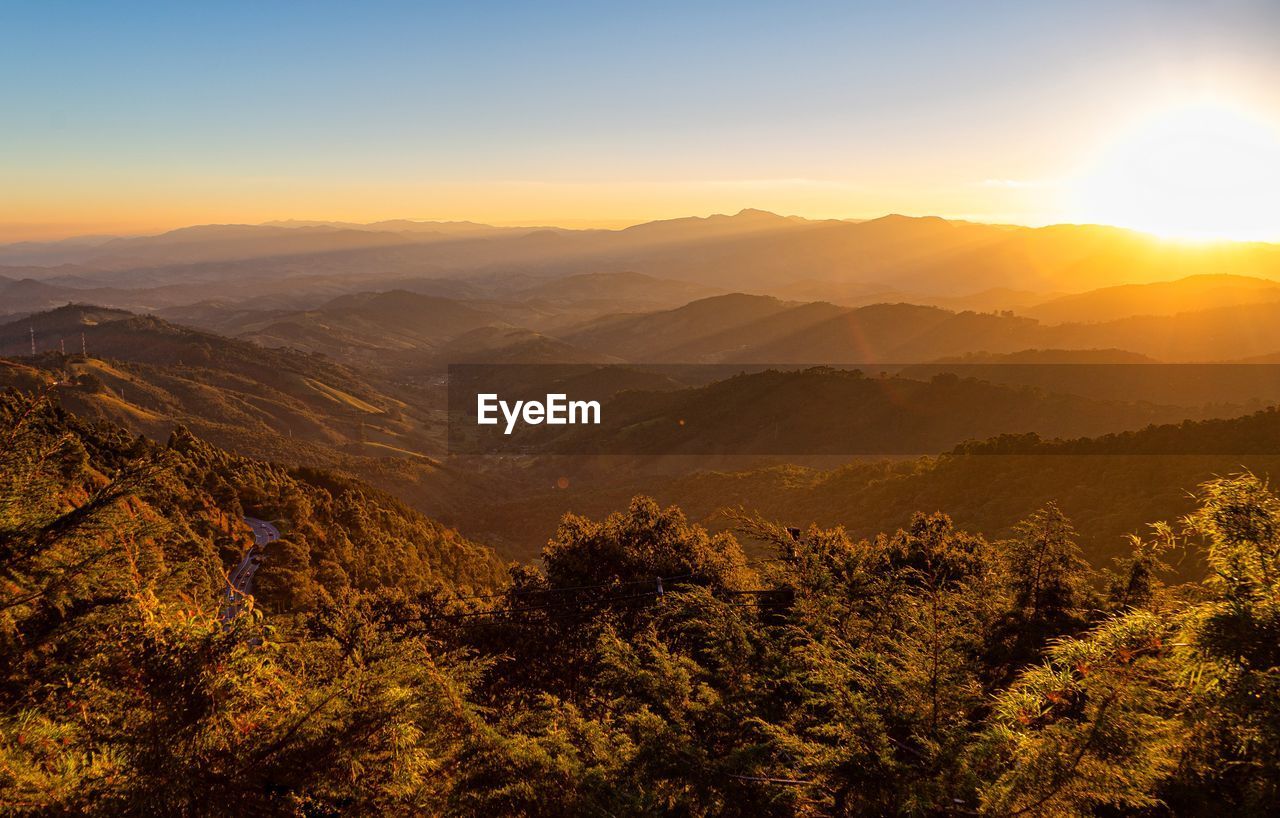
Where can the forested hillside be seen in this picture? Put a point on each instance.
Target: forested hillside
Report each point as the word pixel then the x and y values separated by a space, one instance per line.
pixel 645 667
pixel 1113 485
pixel 822 410
pixel 338 533
pixel 150 375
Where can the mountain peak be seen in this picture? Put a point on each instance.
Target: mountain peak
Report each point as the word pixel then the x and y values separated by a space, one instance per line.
pixel 899 218
pixel 72 313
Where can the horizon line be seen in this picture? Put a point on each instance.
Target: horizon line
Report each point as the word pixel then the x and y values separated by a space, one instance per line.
pixel 614 226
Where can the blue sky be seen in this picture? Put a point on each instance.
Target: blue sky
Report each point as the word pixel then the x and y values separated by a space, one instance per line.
pixel 151 113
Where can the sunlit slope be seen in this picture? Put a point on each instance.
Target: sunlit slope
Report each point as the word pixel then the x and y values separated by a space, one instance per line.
pixel 756 329
pixel 1161 298
pixel 338 532
pixel 150 376
pixel 403 331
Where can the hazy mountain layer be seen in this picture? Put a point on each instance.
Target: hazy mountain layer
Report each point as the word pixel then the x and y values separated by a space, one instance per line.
pixel 752 250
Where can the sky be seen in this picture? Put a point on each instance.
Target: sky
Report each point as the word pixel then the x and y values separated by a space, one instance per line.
pixel 136 117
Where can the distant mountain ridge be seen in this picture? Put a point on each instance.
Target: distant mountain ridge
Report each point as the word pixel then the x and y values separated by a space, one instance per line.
pixel 750 250
pixel 1190 294
pixel 760 329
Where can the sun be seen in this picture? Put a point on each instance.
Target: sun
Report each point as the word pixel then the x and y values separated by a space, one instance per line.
pixel 1201 172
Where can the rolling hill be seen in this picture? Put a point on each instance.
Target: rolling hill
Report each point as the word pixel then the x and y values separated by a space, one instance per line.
pixel 150 376
pixel 829 411
pixel 1191 294
pixel 607 292
pixel 753 250
pixel 406 332
pixel 651 336
pixel 759 329
pixel 1106 486
pixel 339 533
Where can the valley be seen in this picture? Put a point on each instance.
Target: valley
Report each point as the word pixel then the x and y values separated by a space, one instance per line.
pixel 316 360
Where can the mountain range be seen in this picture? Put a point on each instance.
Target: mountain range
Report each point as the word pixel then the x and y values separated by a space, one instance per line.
pixel 752 250
pixel 327 343
pixel 761 329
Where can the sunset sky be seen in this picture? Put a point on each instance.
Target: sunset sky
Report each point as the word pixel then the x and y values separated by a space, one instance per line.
pixel 131 117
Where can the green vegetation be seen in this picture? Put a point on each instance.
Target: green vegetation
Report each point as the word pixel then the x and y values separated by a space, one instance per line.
pixel 1108 496
pixel 823 410
pixel 644 667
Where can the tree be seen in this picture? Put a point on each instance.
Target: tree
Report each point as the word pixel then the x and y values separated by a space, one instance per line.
pixel 1234 650
pixel 1047 586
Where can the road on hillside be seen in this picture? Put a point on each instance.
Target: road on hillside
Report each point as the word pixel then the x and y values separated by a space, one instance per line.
pixel 241 578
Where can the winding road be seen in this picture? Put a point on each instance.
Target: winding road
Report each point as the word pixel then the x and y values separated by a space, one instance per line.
pixel 240 580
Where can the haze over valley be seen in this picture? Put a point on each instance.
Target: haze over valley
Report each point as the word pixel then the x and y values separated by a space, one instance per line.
pixel 329 343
